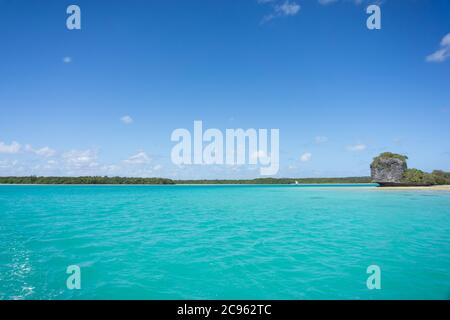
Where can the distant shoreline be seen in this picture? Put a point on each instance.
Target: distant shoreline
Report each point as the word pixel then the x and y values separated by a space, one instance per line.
pixel 363 181
pixel 437 188
pixel 369 185
pixel 105 180
pixel 189 184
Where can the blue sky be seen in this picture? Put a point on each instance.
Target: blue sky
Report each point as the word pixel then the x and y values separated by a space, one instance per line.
pixel 339 93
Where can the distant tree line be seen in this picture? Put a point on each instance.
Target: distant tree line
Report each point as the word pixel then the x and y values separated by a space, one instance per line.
pixel 158 181
pixel 280 181
pixel 416 176
pixel 412 176
pixel 83 180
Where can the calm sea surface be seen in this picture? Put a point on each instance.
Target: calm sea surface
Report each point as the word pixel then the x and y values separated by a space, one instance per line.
pixel 223 242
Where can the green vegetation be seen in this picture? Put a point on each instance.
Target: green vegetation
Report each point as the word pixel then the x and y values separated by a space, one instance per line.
pixel 124 180
pixel 82 180
pixel 280 181
pixel 441 177
pixel 415 176
pixel 397 172
pixel 385 155
pixel 411 176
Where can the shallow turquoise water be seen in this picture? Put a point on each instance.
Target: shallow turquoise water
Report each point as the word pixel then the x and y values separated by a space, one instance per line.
pixel 223 242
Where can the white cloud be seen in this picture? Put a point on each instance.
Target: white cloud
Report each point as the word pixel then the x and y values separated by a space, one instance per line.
pixel 44 152
pixel 439 56
pixel 321 139
pixel 110 169
pixel 139 158
pixel 7 164
pixel 306 157
pixel 12 148
pixel 287 8
pixel 67 59
pixel 80 158
pixel 127 119
pixel 443 53
pixel 79 163
pixel 446 40
pixel 357 147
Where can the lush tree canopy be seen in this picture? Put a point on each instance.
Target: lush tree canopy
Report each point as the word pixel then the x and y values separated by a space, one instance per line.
pixel 385 155
pixel 124 180
pixel 82 180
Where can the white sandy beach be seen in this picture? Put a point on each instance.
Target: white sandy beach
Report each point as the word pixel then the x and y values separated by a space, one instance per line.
pixel 432 188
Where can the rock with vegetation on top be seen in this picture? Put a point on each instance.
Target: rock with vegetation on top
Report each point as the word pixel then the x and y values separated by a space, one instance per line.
pixel 388 168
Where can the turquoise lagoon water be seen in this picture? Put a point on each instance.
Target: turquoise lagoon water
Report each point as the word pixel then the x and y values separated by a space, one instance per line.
pixel 223 242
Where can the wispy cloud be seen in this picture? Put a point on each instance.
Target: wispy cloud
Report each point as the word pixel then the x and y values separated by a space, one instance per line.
pixel 443 53
pixel 357 147
pixel 80 158
pixel 288 8
pixel 320 139
pixel 12 148
pixel 139 158
pixel 306 157
pixel 74 163
pixel 127 119
pixel 7 164
pixel 44 152
pixel 285 9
